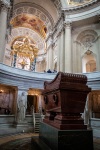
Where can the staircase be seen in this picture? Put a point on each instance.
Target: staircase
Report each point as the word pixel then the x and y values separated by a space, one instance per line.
pixel 37 122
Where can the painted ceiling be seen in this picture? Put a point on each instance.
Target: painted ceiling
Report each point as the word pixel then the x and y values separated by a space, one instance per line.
pixel 30 21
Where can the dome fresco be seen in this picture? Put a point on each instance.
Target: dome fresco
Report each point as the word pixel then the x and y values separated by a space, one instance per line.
pixel 30 21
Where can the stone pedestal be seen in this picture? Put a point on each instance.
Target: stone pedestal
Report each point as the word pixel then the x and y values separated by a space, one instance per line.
pixel 51 138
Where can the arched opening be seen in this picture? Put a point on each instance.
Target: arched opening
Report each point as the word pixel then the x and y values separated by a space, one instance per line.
pixel 88 62
pixel 32 103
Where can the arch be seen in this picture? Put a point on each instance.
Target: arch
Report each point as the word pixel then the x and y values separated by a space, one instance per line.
pixel 30 21
pixel 36 10
pixel 23 32
pixel 87 36
pixel 88 62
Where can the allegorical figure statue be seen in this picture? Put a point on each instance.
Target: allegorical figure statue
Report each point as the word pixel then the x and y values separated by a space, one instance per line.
pixel 22 106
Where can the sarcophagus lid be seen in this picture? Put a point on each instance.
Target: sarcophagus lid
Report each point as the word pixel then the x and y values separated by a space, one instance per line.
pixel 67 81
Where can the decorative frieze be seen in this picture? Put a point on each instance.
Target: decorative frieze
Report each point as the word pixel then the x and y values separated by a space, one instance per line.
pixel 87 38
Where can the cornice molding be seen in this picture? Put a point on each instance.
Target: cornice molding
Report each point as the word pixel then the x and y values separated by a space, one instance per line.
pixel 22 78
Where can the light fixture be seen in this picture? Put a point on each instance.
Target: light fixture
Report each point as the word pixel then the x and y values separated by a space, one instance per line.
pixel 1 91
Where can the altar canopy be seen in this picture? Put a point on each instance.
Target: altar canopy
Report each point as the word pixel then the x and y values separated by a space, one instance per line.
pixel 24 52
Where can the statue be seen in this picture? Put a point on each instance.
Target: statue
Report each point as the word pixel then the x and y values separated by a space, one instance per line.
pixel 22 106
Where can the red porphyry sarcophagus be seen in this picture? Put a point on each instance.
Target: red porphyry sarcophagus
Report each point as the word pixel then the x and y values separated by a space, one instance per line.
pixel 65 99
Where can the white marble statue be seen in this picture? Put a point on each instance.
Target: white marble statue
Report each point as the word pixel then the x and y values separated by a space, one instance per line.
pixel 22 106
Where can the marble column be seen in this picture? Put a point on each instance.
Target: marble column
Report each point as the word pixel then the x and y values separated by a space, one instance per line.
pixel 50 53
pixel 79 58
pixel 62 62
pixel 98 55
pixel 47 60
pixel 39 103
pixel 3 29
pixel 51 66
pixel 74 53
pixel 58 51
pixel 68 58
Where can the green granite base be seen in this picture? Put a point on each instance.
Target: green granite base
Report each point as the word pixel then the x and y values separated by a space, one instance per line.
pixel 66 139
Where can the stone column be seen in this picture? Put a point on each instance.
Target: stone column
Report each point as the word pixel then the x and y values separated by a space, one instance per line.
pixel 58 51
pixel 98 55
pixel 79 58
pixel 62 62
pixel 47 60
pixel 39 104
pixel 3 28
pixel 68 59
pixel 74 53
pixel 51 57
pixel 49 53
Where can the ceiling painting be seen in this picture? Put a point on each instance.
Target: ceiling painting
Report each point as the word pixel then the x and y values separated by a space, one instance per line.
pixel 30 21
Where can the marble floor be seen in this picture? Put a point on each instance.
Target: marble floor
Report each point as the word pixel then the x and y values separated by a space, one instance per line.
pixel 23 142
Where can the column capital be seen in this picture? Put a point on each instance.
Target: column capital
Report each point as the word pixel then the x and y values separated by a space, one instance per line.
pixel 67 24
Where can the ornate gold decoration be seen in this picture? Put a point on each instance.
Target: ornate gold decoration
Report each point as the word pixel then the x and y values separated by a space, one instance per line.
pixel 25 49
pixel 23 64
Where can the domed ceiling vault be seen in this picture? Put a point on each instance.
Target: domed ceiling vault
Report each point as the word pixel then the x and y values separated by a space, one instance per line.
pixel 52 8
pixel 28 13
pixel 31 15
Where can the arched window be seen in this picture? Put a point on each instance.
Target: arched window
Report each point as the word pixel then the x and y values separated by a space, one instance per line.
pixel 88 62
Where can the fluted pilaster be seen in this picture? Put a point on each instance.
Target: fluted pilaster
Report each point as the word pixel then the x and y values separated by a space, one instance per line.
pixel 74 57
pixel 62 60
pixel 3 28
pixel 51 57
pixel 79 58
pixel 47 60
pixel 58 51
pixel 98 56
pixel 68 60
